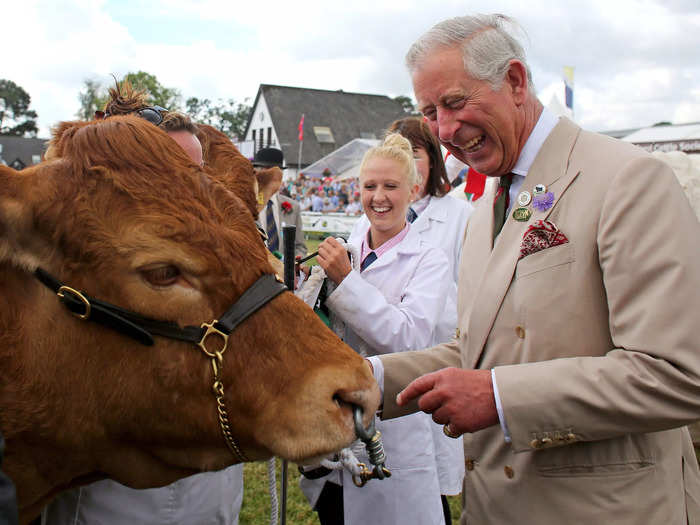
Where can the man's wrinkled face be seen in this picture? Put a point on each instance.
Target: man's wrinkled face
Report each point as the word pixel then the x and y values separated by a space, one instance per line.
pixel 475 123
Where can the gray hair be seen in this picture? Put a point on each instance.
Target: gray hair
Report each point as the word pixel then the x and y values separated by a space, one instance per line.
pixel 486 41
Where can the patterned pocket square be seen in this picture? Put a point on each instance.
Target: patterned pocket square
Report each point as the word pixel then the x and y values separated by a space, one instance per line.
pixel 540 235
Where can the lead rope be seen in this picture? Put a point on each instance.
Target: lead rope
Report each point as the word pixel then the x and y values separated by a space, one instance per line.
pixel 272 488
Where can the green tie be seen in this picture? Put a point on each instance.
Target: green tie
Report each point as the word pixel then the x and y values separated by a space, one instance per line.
pixel 500 205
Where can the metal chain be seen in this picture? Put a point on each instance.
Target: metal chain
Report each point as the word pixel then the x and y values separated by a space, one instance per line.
pixel 218 388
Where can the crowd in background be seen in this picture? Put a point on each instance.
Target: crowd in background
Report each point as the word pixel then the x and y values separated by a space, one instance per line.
pixel 325 195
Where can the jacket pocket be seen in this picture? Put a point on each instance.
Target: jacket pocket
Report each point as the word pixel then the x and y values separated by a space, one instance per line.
pixel 624 455
pixel 544 259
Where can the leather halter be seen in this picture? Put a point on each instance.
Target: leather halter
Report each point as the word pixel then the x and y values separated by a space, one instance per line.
pixel 142 329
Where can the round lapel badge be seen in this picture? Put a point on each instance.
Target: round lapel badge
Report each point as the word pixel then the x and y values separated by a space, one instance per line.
pixel 521 214
pixel 539 189
pixel 524 198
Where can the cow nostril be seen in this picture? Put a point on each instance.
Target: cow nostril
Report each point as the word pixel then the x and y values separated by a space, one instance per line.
pixel 337 399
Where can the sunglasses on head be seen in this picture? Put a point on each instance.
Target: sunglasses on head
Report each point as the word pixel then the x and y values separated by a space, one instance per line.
pixel 153 114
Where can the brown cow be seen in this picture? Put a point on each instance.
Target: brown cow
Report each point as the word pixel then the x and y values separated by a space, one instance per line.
pixel 122 215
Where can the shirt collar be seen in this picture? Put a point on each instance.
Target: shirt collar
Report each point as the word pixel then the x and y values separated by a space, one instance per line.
pixel 420 205
pixel 545 125
pixel 388 245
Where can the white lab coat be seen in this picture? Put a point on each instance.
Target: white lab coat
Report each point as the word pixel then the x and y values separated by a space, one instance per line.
pixel 394 306
pixel 442 224
pixel 209 498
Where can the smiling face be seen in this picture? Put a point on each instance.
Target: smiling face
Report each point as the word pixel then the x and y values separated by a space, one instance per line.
pixel 386 194
pixel 481 127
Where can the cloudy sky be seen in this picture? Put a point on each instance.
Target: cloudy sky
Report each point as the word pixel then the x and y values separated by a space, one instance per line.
pixel 636 62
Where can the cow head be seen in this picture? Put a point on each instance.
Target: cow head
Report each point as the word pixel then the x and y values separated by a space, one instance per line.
pixel 121 214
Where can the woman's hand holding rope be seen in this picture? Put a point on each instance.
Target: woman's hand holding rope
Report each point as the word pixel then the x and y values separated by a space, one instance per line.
pixel 333 258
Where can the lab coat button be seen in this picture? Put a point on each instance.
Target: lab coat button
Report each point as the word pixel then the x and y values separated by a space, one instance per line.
pixel 520 332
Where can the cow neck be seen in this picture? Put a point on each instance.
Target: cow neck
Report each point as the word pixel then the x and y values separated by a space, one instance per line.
pixel 142 329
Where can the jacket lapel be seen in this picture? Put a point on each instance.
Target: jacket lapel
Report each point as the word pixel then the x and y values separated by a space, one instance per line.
pixel 476 251
pixel 550 168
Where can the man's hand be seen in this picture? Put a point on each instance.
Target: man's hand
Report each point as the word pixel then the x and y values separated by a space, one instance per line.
pixel 462 398
pixel 334 260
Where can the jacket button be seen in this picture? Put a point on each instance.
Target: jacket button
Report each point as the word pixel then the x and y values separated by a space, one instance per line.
pixel 457 333
pixel 535 443
pixel 509 471
pixel 469 464
pixel 520 332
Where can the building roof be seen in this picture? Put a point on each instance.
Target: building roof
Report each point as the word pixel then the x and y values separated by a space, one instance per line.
pixel 665 133
pixel 20 149
pixel 347 115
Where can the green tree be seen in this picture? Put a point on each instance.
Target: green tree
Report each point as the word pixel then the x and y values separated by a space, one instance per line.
pixel 92 97
pixel 160 95
pixel 15 116
pixel 228 116
pixel 407 104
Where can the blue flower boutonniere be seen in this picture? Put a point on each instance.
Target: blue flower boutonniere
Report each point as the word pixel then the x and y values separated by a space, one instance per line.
pixel 543 201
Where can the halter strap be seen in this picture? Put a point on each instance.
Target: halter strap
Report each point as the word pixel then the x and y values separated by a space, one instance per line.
pixel 142 329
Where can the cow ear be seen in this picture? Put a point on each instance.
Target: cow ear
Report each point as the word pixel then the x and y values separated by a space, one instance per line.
pixel 19 245
pixel 228 166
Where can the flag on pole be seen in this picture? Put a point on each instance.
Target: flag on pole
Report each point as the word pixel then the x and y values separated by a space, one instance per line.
pixel 301 128
pixel 569 87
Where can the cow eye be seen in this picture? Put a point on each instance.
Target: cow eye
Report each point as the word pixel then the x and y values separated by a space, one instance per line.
pixel 162 275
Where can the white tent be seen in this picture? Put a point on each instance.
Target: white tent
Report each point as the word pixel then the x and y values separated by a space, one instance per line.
pixel 343 162
pixel 687 170
pixel 672 133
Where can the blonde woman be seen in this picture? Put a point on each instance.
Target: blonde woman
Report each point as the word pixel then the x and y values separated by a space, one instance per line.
pixel 391 304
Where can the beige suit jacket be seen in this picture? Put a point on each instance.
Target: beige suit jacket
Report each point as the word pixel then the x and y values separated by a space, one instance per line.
pixel 594 343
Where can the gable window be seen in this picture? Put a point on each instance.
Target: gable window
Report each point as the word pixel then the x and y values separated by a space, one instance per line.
pixel 269 137
pixel 254 137
pixel 324 135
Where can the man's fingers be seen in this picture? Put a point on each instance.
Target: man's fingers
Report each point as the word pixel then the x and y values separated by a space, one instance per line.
pixel 416 388
pixel 430 401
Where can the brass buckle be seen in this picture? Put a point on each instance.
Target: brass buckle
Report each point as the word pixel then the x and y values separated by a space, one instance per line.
pixel 67 289
pixel 211 330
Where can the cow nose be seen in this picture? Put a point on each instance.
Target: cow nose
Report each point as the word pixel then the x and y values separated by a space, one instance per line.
pixel 367 399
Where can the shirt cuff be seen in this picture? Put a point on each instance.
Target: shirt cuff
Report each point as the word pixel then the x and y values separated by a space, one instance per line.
pixel 378 368
pixel 499 407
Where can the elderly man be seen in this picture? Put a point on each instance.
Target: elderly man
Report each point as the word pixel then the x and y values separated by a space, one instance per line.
pixel 577 362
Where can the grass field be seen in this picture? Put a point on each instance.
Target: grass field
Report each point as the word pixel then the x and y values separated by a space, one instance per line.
pixel 256 499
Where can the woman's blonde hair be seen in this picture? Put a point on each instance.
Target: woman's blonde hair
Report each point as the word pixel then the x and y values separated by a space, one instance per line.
pixel 398 148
